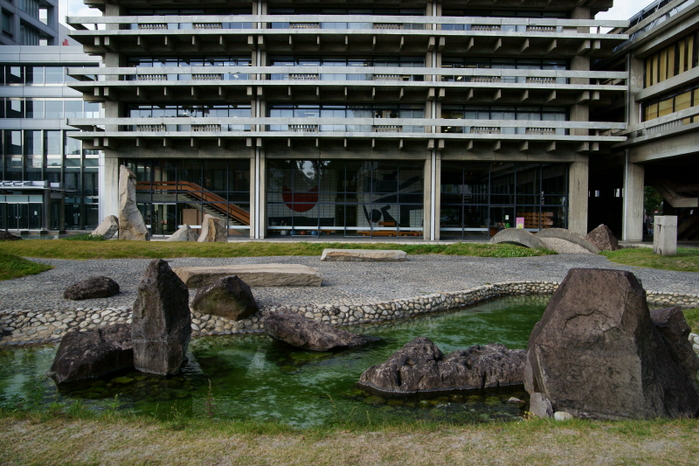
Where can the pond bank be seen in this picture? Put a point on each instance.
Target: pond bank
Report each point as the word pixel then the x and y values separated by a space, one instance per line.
pixel 34 311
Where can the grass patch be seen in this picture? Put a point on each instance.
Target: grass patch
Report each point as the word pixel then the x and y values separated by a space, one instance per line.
pixel 111 440
pixel 692 318
pixel 13 266
pixel 686 260
pixel 52 249
pixel 84 237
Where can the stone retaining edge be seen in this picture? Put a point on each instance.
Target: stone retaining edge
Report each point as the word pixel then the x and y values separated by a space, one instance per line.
pixel 33 327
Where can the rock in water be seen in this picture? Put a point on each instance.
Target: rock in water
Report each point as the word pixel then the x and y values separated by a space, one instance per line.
pixel 92 354
pixel 213 229
pixel 297 330
pixel 596 353
pixel 228 297
pixel 184 233
pixel 90 288
pixel 603 238
pixel 161 326
pixel 421 367
pixel 107 228
pixel 131 224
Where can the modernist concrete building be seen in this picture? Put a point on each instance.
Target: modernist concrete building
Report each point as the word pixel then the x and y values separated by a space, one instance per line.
pixel 662 111
pixel 433 119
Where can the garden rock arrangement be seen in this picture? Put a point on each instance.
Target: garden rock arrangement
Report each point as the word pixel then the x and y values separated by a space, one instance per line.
pixel 253 275
pixel 92 354
pixel 228 297
pixel 184 233
pixel 306 333
pixel 131 224
pixel 363 255
pixel 603 238
pixel 162 324
pixel 90 288
pixel 420 367
pixel 108 228
pixel 213 229
pixel 599 355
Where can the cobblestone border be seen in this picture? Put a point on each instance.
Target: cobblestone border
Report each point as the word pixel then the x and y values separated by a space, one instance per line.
pixel 33 327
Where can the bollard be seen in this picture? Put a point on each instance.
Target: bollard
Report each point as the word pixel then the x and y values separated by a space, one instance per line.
pixel 665 235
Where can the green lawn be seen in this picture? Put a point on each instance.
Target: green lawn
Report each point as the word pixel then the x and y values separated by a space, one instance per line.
pixel 13 266
pixel 59 249
pixel 686 260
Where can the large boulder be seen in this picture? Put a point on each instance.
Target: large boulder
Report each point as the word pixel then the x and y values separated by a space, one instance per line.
pixel 421 367
pixel 213 229
pixel 302 332
pixel 131 224
pixel 92 354
pixel 596 353
pixel 162 324
pixel 184 233
pixel 228 297
pixel 90 288
pixel 108 228
pixel 603 238
pixel 672 325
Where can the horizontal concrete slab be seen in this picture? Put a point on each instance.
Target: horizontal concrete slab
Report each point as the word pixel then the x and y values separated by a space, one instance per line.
pixel 253 275
pixel 363 255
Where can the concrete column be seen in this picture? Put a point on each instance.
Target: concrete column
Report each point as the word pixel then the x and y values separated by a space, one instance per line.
pixel 258 195
pixel 636 72
pixel 632 213
pixel 578 196
pixel 427 196
pixel 108 180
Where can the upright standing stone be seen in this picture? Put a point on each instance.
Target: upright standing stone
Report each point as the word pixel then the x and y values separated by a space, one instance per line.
pixel 161 326
pixel 213 229
pixel 665 235
pixel 597 353
pixel 131 224
pixel 108 227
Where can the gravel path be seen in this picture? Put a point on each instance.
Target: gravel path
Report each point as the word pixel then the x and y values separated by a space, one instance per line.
pixel 343 282
pixel 32 309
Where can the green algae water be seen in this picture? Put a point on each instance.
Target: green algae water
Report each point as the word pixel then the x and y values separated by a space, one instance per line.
pixel 251 377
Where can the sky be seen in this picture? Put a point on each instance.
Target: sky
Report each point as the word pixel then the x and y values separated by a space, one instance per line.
pixel 623 9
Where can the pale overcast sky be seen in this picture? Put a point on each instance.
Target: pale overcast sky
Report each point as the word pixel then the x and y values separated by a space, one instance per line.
pixel 623 9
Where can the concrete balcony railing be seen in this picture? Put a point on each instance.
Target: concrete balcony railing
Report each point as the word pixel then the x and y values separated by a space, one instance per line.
pixel 351 127
pixel 274 24
pixel 355 76
pixel 669 125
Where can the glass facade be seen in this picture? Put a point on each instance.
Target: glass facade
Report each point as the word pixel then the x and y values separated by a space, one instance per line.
pixel 171 193
pixel 345 197
pixel 481 198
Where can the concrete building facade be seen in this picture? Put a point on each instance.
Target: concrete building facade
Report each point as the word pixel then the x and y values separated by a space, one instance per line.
pixel 661 148
pixel 444 119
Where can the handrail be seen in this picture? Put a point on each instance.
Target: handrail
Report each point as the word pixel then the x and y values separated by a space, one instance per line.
pixel 215 201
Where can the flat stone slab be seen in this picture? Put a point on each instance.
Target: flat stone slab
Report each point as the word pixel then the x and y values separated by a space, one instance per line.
pixel 363 255
pixel 252 275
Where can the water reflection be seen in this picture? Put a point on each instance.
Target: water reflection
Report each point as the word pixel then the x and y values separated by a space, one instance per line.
pixel 252 377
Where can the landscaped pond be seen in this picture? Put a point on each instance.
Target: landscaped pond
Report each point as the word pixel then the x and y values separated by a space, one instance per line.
pixel 252 377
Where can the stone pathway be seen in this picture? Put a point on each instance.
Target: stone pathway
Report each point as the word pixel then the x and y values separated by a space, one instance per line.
pixel 32 309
